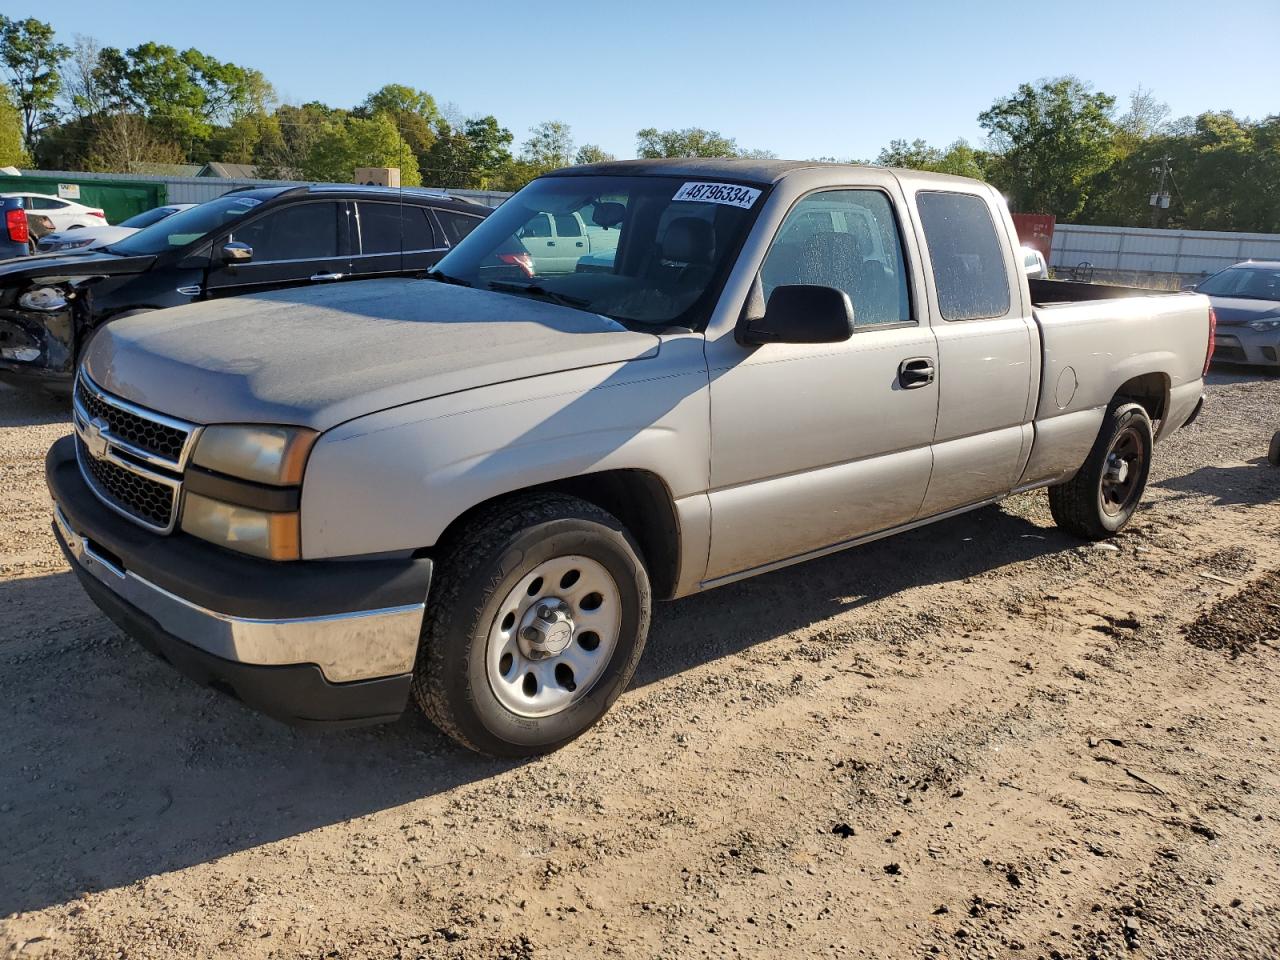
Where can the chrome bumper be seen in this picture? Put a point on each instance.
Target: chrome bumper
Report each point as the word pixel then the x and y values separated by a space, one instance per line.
pixel 351 646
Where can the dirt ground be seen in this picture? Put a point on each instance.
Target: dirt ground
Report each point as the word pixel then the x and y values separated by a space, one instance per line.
pixel 980 739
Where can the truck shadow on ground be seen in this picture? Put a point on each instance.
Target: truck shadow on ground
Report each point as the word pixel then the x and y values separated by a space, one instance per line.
pixel 1244 483
pixel 133 771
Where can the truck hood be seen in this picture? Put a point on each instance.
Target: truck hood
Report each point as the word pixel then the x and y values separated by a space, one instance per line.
pixel 1236 311
pixel 73 265
pixel 319 356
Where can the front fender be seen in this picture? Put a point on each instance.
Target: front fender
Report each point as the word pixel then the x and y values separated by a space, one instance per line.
pixel 395 480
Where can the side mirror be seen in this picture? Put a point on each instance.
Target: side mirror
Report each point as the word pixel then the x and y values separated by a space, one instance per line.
pixel 1189 286
pixel 236 252
pixel 800 313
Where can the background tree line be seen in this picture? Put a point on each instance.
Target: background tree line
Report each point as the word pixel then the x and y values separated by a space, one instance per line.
pixel 1055 146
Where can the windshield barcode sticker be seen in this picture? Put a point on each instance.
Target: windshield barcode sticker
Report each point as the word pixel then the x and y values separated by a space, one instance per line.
pixel 729 194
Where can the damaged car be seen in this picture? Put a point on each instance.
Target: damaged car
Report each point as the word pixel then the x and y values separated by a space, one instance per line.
pixel 241 243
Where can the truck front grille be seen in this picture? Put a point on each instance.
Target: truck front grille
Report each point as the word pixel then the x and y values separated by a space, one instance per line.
pixel 132 458
pixel 137 496
pixel 148 434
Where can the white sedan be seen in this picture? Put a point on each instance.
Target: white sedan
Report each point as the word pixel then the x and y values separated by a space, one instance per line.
pixel 63 214
pixel 102 236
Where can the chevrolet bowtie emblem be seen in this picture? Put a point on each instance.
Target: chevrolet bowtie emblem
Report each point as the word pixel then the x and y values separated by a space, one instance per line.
pixel 93 439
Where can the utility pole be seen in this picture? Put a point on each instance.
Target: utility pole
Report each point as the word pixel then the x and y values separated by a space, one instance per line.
pixel 1160 199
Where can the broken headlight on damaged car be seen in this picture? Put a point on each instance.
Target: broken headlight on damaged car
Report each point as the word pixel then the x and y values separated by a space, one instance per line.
pixel 242 489
pixel 44 299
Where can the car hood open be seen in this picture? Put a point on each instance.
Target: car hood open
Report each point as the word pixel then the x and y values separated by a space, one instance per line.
pixel 319 356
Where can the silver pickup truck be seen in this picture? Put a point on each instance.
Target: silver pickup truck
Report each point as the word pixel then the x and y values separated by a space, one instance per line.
pixel 467 489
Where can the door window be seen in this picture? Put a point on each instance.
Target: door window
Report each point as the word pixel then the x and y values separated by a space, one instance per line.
pixel 458 225
pixel 538 228
pixel 390 227
pixel 968 261
pixel 847 239
pixel 304 231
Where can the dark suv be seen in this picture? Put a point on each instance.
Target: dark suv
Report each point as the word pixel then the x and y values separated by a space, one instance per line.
pixel 241 243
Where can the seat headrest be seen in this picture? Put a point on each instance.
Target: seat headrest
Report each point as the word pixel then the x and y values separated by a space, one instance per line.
pixel 689 240
pixel 829 259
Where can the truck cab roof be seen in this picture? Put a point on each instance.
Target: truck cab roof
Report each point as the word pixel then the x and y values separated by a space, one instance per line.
pixel 736 168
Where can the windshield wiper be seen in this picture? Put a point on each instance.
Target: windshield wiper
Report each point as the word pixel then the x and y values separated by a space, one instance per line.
pixel 445 278
pixel 538 290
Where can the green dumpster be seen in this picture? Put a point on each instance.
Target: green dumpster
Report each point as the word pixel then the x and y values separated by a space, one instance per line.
pixel 119 199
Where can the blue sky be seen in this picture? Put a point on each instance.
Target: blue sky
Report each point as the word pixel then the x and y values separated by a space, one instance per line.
pixel 802 78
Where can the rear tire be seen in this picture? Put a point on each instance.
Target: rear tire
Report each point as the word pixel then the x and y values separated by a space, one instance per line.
pixel 549 567
pixel 1273 454
pixel 1101 499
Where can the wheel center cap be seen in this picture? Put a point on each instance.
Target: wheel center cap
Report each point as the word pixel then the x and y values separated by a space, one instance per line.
pixel 546 629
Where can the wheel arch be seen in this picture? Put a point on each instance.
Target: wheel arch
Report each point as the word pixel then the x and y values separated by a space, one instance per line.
pixel 1148 390
pixel 641 501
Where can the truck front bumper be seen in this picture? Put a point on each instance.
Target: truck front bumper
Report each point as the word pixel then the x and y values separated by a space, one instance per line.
pixel 312 643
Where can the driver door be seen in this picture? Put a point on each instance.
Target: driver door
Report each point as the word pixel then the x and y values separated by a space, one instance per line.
pixel 814 445
pixel 302 243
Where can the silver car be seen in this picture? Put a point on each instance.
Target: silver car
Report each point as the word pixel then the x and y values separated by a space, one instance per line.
pixel 1246 300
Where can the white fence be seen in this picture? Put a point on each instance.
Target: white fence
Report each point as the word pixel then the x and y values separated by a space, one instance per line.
pixel 200 189
pixel 1188 253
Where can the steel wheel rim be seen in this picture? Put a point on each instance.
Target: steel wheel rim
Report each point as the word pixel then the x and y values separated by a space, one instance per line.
pixel 1122 471
pixel 588 608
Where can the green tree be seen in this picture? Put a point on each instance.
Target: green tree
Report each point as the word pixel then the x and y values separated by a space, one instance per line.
pixel 476 154
pixel 591 153
pixel 550 146
pixel 1050 141
pixel 959 159
pixel 12 153
pixel 652 143
pixel 413 111
pixel 349 142
pixel 31 57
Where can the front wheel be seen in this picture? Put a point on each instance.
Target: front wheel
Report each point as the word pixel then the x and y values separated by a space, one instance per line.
pixel 534 626
pixel 1101 499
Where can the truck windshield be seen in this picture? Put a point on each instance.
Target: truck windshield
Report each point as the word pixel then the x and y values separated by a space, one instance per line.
pixel 185 227
pixel 643 250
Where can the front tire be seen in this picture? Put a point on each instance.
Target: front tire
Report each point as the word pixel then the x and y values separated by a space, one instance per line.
pixel 1101 499
pixel 534 626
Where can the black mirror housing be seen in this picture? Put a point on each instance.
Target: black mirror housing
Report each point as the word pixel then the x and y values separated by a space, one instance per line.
pixel 236 252
pixel 800 313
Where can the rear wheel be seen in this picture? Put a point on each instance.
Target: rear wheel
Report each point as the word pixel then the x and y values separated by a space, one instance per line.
pixel 1273 454
pixel 1101 499
pixel 535 623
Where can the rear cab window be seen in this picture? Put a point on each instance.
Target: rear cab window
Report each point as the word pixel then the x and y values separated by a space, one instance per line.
pixel 969 271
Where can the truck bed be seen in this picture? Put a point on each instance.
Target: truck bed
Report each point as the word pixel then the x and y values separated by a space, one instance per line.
pixel 1100 341
pixel 1049 292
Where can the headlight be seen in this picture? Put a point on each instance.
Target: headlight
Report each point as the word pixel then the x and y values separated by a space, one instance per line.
pixel 274 455
pixel 43 298
pixel 272 536
pixel 243 516
pixel 1263 326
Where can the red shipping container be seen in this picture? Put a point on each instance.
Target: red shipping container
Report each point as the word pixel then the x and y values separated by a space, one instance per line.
pixel 1035 230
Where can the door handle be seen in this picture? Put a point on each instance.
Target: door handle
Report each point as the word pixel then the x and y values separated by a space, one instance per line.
pixel 551 243
pixel 915 372
pixel 327 276
pixel 578 244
